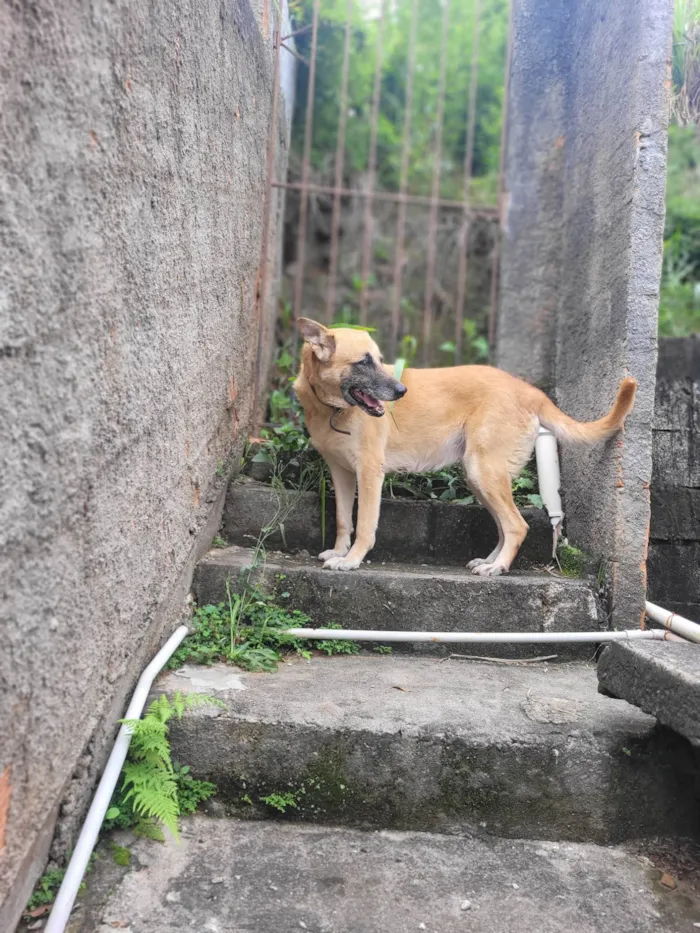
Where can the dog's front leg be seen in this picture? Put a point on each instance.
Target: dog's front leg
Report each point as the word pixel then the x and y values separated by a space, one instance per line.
pixel 344 483
pixel 370 481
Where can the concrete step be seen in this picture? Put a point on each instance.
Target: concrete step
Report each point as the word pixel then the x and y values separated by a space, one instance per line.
pixel 425 532
pixel 233 877
pixel 406 597
pixel 662 679
pixel 381 742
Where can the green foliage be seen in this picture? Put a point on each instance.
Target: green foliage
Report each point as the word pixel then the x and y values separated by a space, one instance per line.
pixel 121 855
pixel 281 801
pixel 382 649
pixel 219 542
pixel 337 646
pixel 428 57
pixel 46 889
pixel 686 62
pixel 251 631
pixel 572 561
pixel 679 308
pixel 154 790
pixel 284 445
pixel 190 791
pixel 475 348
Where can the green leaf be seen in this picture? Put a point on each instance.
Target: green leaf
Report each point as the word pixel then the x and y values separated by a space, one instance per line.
pixel 535 500
pixel 399 367
pixel 369 330
pixel 112 813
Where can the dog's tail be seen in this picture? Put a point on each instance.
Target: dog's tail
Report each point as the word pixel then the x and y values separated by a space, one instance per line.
pixel 589 432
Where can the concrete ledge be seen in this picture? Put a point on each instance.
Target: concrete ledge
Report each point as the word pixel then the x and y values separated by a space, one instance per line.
pixel 402 743
pixel 402 597
pixel 432 532
pixel 228 876
pixel 663 679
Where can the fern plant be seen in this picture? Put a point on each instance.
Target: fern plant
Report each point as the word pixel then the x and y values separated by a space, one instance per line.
pixel 154 790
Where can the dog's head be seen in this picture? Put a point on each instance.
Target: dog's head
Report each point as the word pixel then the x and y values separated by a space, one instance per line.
pixel 345 368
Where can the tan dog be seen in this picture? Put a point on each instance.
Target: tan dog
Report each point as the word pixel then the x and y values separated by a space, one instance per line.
pixel 477 414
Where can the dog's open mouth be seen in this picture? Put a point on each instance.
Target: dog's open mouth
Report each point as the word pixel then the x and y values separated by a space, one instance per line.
pixel 367 402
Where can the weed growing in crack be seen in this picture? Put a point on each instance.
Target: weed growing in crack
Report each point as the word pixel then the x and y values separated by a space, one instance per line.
pixel 251 630
pixel 282 801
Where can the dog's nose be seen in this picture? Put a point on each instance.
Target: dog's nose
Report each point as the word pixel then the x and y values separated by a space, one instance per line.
pixel 400 390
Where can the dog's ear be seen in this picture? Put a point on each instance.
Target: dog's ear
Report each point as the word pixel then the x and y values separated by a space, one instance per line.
pixel 321 339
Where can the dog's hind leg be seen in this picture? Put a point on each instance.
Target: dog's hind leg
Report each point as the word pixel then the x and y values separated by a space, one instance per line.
pixel 492 485
pixel 344 483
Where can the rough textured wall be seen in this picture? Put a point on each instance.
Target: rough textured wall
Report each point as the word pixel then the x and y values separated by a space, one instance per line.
pixel 674 550
pixel 601 229
pixel 132 179
pixel 532 218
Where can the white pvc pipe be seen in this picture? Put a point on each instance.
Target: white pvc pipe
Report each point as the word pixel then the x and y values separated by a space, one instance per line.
pixel 672 622
pixel 549 476
pixel 549 479
pixel 483 638
pixel 73 877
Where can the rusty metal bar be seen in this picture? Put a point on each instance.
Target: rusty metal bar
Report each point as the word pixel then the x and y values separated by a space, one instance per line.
pixel 263 275
pixel 468 159
pixel 495 263
pixel 295 54
pixel 339 161
pixel 298 32
pixel 372 168
pixel 305 166
pixel 403 184
pixel 478 210
pixel 433 218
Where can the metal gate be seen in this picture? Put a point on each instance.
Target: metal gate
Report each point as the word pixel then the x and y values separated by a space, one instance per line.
pixel 373 192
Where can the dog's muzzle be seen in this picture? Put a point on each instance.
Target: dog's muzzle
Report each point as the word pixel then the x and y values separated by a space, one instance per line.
pixel 369 396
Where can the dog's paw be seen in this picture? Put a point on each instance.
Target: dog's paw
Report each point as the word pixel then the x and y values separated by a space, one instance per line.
pixel 489 570
pixel 477 562
pixel 341 563
pixel 330 554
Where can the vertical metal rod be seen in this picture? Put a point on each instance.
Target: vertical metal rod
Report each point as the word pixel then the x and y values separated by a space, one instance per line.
pixel 433 218
pixel 339 160
pixel 372 168
pixel 270 192
pixel 495 270
pixel 403 184
pixel 468 159
pixel 305 165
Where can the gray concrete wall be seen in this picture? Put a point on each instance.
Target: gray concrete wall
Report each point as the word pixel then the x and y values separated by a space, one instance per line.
pixel 674 549
pixel 132 181
pixel 586 165
pixel 534 194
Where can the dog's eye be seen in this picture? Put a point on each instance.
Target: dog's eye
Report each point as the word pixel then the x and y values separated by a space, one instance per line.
pixel 366 360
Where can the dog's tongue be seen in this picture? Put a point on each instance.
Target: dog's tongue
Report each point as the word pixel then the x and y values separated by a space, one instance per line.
pixel 368 400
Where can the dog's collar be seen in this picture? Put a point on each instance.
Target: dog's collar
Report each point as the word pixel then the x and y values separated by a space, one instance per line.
pixel 334 412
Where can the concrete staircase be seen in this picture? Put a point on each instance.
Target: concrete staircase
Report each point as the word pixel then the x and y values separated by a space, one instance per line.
pixel 420 791
pixel 415 579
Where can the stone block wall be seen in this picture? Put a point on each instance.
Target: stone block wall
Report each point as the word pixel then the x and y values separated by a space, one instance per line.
pixel 674 549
